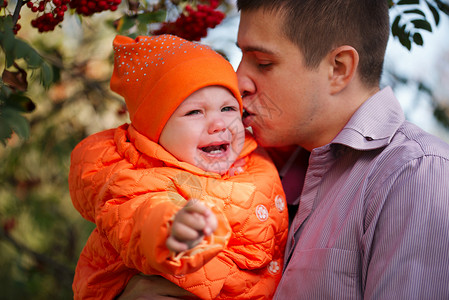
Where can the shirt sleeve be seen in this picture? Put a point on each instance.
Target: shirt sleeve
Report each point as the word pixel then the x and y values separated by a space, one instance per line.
pixel 408 256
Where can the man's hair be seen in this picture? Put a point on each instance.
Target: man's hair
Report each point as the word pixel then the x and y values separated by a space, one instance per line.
pixel 319 26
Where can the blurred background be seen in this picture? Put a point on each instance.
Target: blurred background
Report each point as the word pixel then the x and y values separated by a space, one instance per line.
pixel 55 91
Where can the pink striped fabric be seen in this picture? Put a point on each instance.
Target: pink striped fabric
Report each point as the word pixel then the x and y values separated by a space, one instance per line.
pixel 373 216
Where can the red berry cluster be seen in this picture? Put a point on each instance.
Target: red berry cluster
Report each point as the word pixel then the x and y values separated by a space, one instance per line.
pixel 192 24
pixel 89 7
pixel 50 13
pixel 213 3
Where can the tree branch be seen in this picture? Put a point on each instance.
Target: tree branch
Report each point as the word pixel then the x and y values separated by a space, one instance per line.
pixel 15 16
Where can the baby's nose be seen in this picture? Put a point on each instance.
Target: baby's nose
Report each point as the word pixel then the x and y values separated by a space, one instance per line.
pixel 216 124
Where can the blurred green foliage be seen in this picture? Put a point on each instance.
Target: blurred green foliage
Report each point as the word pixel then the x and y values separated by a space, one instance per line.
pixel 41 234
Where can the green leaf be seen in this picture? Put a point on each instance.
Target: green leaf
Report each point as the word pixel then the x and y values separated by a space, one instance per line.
pixel 20 102
pixel 404 38
pixel 56 71
pixel 157 16
pixel 46 75
pixel 441 116
pixel 5 131
pixel 34 60
pixel 415 11
pixel 142 28
pixel 417 39
pixel 110 23
pixel 21 49
pixel 7 43
pixel 407 44
pixel 127 24
pixel 435 13
pixel 13 120
pixel 5 91
pixel 395 26
pixel 408 2
pixel 15 49
pixel 444 7
pixel 6 23
pixel 424 88
pixel 422 24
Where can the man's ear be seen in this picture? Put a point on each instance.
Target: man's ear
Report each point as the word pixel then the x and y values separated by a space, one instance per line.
pixel 344 61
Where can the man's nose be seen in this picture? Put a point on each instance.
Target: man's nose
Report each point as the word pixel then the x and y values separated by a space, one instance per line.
pixel 246 84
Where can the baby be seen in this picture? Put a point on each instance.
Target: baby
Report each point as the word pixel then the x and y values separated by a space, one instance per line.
pixel 182 191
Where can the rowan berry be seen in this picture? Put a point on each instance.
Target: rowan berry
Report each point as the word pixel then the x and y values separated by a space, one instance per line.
pixel 89 7
pixel 192 24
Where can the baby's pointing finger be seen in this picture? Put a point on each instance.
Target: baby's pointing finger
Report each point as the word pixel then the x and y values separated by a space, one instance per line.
pixel 193 220
pixel 175 246
pixel 195 206
pixel 183 232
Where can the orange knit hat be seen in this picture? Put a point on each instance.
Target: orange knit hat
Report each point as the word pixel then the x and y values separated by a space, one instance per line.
pixel 155 74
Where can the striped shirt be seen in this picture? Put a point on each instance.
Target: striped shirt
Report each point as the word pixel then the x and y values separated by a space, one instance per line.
pixel 373 215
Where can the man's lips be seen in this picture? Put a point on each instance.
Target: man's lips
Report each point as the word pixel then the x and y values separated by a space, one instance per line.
pixel 247 118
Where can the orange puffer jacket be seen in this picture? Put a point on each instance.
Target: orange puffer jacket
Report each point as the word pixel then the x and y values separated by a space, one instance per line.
pixel 130 187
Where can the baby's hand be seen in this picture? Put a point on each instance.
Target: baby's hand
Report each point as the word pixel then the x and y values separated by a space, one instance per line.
pixel 191 224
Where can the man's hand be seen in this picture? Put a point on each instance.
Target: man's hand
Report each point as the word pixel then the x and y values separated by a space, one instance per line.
pixel 194 221
pixel 142 287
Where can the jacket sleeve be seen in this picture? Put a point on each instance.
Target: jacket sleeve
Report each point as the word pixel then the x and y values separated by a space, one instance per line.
pixel 138 222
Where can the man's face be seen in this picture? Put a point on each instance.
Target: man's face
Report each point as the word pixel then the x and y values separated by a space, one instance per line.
pixel 206 130
pixel 284 99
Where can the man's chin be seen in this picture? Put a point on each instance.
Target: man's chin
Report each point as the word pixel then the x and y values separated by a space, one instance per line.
pixel 259 136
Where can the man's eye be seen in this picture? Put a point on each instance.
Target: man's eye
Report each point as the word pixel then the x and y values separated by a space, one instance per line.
pixel 193 112
pixel 264 65
pixel 229 108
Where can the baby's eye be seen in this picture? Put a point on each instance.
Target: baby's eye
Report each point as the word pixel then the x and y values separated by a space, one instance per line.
pixel 193 112
pixel 229 108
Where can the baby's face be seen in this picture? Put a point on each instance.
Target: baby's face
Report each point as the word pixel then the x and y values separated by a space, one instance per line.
pixel 206 130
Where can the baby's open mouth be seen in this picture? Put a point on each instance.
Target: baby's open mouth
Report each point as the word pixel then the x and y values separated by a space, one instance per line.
pixel 215 149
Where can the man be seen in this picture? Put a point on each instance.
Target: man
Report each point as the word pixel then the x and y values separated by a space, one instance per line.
pixel 370 188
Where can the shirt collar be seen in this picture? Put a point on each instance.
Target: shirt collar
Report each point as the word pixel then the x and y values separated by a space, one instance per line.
pixel 373 125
